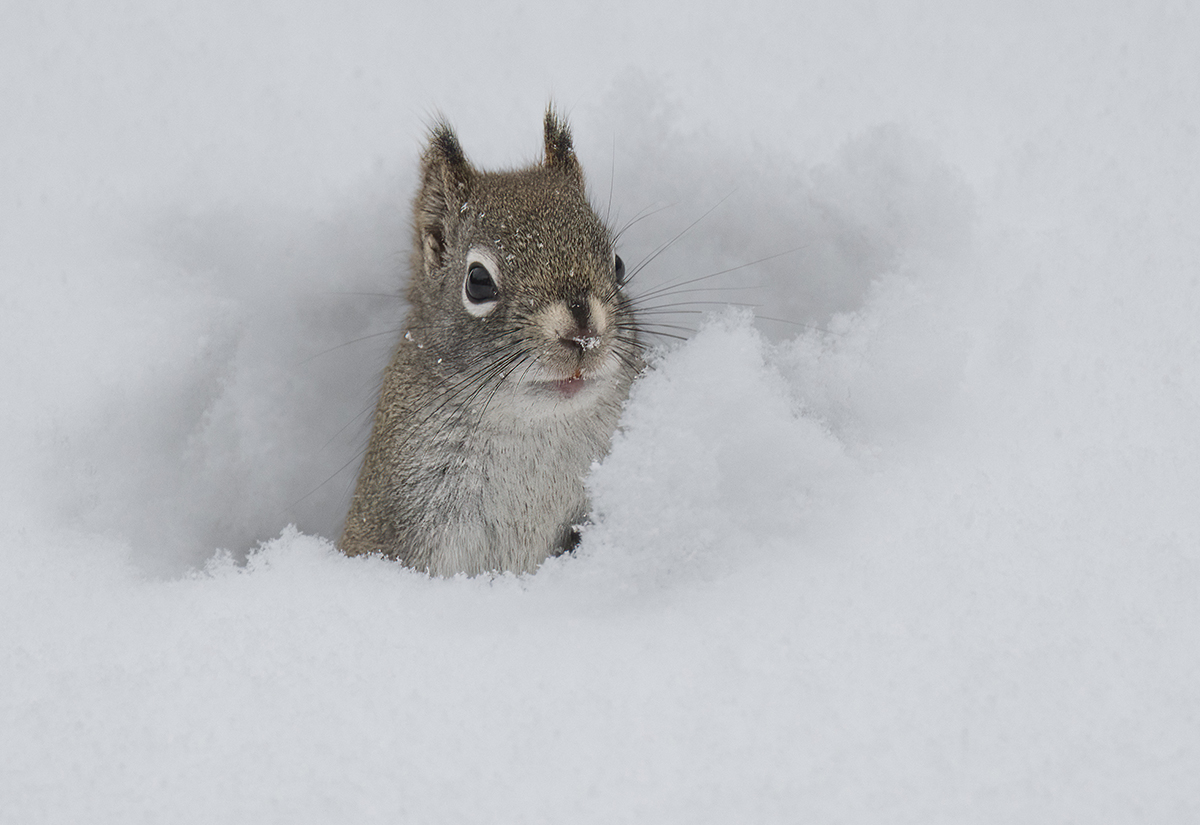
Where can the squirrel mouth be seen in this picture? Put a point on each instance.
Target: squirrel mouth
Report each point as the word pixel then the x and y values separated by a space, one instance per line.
pixel 571 381
pixel 567 387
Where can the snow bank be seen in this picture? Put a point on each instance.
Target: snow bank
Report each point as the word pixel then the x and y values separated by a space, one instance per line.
pixel 925 546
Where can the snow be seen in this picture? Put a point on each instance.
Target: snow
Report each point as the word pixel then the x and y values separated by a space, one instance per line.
pixel 926 549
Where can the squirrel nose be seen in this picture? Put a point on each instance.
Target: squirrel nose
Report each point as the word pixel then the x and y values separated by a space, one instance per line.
pixel 583 337
pixel 582 340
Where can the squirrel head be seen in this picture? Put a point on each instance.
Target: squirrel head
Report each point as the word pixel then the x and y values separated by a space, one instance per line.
pixel 514 275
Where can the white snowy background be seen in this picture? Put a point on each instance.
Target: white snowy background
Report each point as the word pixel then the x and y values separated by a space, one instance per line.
pixel 930 552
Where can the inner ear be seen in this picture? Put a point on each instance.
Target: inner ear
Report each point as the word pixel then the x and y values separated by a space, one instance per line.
pixel 433 248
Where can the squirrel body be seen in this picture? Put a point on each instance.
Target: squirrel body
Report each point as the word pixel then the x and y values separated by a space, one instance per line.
pixel 517 354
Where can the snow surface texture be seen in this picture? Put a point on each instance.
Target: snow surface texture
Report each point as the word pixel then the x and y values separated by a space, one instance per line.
pixel 931 553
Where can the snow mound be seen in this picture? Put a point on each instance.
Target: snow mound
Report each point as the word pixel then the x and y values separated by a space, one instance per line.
pixel 924 543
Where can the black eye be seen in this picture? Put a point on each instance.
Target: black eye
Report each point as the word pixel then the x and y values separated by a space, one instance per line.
pixel 479 286
pixel 620 270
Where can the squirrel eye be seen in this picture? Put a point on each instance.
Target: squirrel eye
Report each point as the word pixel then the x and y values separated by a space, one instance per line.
pixel 620 270
pixel 479 285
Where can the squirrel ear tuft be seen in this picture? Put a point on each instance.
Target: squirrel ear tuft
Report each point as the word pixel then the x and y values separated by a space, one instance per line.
pixel 560 153
pixel 446 177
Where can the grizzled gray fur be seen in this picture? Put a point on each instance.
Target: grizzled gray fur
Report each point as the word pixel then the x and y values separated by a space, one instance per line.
pixel 518 351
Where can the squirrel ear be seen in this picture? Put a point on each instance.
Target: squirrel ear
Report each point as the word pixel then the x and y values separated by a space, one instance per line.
pixel 446 177
pixel 560 154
